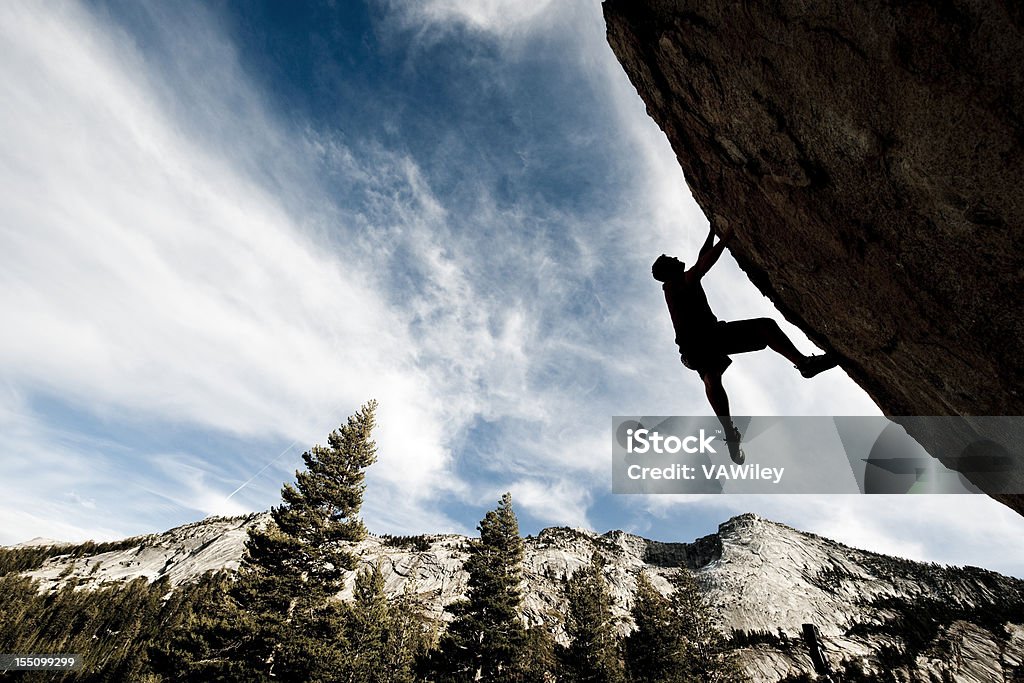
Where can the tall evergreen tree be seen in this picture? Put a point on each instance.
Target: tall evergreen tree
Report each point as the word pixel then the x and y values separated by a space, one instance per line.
pixel 704 650
pixel 653 650
pixel 538 660
pixel 412 633
pixel 484 640
pixel 278 622
pixel 594 652
pixel 384 636
pixel 298 561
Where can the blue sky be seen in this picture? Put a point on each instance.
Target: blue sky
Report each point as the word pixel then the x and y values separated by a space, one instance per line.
pixel 227 225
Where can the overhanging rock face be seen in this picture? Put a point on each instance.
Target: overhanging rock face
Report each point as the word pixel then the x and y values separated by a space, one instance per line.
pixel 868 156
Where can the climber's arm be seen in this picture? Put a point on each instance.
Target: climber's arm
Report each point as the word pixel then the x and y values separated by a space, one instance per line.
pixel 707 242
pixel 708 258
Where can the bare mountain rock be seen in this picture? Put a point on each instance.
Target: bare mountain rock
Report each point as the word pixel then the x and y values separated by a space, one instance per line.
pixel 765 580
pixel 868 156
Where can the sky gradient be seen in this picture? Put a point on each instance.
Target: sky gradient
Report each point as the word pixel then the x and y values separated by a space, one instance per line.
pixel 227 225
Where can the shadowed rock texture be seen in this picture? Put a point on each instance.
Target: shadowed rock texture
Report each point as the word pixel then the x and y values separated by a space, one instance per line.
pixel 868 156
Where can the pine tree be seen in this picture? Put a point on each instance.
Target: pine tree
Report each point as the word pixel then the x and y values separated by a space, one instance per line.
pixel 368 629
pixel 412 634
pixel 704 650
pixel 487 634
pixel 366 625
pixel 593 654
pixel 537 661
pixel 186 649
pixel 652 650
pixel 278 622
pixel 383 636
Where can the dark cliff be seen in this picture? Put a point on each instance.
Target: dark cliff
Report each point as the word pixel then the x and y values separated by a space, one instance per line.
pixel 868 156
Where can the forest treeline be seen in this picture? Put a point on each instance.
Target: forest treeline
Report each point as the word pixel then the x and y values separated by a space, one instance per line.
pixel 279 619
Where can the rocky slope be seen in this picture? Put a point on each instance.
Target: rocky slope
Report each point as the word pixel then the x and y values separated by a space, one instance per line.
pixel 869 158
pixel 760 576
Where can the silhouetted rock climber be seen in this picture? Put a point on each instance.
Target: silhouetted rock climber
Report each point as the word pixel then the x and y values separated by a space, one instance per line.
pixel 705 342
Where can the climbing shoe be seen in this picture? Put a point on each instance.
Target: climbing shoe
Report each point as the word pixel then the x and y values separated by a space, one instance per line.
pixel 732 441
pixel 812 365
pixel 732 433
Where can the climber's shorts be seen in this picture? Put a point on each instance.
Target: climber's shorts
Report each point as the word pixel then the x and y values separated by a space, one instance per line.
pixel 710 350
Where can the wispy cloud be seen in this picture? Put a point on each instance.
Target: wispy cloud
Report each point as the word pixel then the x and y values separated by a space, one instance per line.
pixel 560 499
pixel 506 20
pixel 153 278
pixel 157 278
pixel 45 487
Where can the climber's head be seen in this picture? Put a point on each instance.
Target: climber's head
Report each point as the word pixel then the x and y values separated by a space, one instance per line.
pixel 667 268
